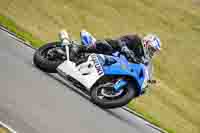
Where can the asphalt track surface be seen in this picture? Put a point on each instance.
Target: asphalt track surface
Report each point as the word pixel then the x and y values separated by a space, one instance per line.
pixel 32 101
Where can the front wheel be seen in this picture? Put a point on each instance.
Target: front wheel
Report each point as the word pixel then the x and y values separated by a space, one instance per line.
pixel 105 96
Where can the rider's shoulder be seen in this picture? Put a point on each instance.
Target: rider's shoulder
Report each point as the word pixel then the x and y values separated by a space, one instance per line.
pixel 131 36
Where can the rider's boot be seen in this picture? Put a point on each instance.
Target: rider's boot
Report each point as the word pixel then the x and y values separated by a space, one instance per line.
pixel 152 81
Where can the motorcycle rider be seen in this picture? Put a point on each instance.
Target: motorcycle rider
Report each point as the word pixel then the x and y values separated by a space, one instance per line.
pixel 134 47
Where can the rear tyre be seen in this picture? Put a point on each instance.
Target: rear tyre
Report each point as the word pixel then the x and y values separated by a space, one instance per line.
pixel 121 99
pixel 40 60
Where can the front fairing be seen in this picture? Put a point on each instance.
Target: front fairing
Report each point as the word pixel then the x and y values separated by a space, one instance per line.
pixel 123 67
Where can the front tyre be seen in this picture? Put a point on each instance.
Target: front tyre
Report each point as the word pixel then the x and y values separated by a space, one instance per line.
pixel 41 60
pixel 105 97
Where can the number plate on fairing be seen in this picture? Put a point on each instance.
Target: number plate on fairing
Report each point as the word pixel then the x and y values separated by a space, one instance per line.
pixel 97 64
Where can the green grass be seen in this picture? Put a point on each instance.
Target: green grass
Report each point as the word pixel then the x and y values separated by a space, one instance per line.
pixel 21 33
pixel 150 118
pixel 174 103
pixel 3 130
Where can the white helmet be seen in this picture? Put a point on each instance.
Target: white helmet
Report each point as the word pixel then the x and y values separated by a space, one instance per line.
pixel 152 43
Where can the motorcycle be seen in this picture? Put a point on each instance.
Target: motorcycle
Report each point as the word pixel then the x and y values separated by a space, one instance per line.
pixel 112 81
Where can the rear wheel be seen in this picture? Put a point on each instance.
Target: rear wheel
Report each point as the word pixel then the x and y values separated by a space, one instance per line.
pixel 104 95
pixel 45 58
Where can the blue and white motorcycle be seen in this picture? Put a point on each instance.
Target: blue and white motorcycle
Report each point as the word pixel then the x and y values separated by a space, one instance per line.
pixel 110 84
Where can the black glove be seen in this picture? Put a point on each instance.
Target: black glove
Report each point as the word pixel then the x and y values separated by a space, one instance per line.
pixel 126 51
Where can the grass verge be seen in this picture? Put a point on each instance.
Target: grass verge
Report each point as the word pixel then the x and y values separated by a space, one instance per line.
pixel 19 32
pixel 3 130
pixel 150 118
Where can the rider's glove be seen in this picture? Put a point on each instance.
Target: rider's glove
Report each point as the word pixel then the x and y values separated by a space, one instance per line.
pixel 126 51
pixel 129 54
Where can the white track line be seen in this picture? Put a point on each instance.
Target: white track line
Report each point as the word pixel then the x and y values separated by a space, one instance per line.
pixel 147 122
pixel 8 127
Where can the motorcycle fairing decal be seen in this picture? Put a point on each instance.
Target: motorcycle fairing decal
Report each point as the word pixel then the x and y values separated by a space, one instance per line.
pixel 86 73
pixel 97 64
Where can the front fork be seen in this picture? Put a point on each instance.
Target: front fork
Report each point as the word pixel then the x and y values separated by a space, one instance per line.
pixel 120 84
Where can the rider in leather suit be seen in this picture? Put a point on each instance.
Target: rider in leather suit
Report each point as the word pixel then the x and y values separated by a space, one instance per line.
pixel 134 47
